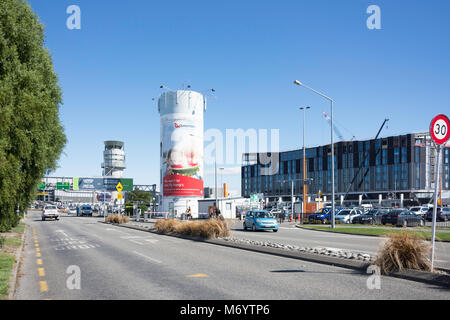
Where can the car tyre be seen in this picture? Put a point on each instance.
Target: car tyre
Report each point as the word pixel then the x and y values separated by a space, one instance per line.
pixel 324 221
pixel 275 230
pixel 254 227
pixel 245 227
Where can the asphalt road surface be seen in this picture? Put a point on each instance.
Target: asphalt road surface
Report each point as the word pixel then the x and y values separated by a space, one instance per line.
pixel 289 234
pixel 110 262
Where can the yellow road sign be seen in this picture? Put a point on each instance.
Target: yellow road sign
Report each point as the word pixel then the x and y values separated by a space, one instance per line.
pixel 119 196
pixel 119 187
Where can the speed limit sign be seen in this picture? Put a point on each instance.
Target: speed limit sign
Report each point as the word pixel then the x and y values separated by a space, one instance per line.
pixel 440 129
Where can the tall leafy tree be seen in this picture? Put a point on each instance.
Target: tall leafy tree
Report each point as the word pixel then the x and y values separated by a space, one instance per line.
pixel 31 135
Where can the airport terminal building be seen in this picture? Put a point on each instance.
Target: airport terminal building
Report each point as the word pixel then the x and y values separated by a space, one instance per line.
pixel 386 168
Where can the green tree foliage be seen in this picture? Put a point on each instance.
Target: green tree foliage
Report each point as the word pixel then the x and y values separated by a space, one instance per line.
pixel 31 135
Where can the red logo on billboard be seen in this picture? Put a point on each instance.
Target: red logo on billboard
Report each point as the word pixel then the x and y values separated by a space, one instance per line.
pixel 179 185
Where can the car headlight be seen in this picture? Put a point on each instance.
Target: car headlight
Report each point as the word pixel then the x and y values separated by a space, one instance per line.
pixel 258 221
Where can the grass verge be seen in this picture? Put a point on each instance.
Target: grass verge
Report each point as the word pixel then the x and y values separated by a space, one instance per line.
pixel 11 241
pixel 373 231
pixel 117 219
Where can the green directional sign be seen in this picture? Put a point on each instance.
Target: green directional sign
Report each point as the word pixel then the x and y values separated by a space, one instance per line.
pixel 63 186
pixel 42 185
pixel 253 198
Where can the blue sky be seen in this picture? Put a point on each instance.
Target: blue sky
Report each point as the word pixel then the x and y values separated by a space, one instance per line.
pixel 249 52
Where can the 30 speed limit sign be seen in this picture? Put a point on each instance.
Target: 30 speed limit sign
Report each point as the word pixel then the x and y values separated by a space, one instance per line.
pixel 440 129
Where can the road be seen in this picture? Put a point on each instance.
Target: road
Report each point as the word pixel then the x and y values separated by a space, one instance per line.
pixel 289 234
pixel 120 263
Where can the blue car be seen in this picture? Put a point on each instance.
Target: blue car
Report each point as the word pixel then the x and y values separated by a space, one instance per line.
pixel 260 220
pixel 323 215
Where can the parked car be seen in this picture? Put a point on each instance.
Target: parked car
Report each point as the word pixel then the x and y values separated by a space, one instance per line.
pixel 371 217
pixel 347 215
pixel 442 214
pixel 260 220
pixel 322 215
pixel 421 211
pixel 86 210
pixel 50 212
pixel 402 218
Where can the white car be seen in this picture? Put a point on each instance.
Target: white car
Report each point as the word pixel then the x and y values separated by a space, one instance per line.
pixel 420 211
pixel 50 212
pixel 347 215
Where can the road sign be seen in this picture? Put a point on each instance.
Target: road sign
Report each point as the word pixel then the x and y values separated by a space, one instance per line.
pixel 440 129
pixel 119 187
pixel 119 196
pixel 42 185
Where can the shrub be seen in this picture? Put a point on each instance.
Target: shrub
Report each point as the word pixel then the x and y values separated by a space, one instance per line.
pixel 211 228
pixel 117 219
pixel 403 251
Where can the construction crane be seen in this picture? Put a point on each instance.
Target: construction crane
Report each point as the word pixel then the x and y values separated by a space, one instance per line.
pixel 366 154
pixel 336 130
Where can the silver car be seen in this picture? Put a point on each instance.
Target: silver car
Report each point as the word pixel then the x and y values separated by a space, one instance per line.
pixel 50 212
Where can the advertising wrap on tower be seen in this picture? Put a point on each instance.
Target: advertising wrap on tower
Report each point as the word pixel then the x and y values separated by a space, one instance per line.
pixel 182 144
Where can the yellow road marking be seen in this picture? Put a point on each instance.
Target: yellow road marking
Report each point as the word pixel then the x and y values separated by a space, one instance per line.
pixel 39 261
pixel 41 272
pixel 38 249
pixel 198 275
pixel 38 254
pixel 43 285
pixel 36 244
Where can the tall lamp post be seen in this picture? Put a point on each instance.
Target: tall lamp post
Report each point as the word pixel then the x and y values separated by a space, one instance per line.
pixel 304 162
pixel 296 82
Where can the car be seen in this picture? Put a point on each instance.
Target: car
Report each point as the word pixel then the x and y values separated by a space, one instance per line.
pixel 72 210
pixel 442 214
pixel 86 210
pixel 402 218
pixel 371 217
pixel 347 215
pixel 421 211
pixel 50 212
pixel 322 215
pixel 260 220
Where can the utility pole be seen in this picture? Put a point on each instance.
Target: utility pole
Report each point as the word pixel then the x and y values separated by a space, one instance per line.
pixel 304 162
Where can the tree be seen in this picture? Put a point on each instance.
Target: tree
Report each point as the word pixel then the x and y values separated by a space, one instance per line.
pixel 31 135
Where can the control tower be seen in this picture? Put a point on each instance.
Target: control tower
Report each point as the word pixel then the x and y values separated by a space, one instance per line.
pixel 113 159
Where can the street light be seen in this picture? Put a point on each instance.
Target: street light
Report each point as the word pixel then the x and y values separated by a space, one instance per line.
pixel 298 83
pixel 221 183
pixel 304 162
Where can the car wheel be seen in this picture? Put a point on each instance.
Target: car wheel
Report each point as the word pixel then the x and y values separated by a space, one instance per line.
pixel 324 221
pixel 245 227
pixel 254 227
pixel 275 230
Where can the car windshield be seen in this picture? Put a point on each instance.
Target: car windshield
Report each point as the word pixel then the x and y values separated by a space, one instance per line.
pixel 415 209
pixel 446 209
pixel 343 213
pixel 263 214
pixel 50 207
pixel 372 212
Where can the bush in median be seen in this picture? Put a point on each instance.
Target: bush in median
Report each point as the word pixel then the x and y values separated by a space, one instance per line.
pixel 211 228
pixel 117 219
pixel 403 251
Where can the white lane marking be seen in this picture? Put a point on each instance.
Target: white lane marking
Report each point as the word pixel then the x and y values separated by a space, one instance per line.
pixel 142 255
pixel 135 241
pixel 110 229
pixel 63 232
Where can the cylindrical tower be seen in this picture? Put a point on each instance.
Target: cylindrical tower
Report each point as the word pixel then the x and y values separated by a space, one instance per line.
pixel 181 150
pixel 113 159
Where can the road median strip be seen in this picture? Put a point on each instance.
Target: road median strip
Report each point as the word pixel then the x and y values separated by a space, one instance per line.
pixel 414 275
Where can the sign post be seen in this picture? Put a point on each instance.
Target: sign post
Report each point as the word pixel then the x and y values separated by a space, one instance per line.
pixel 440 133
